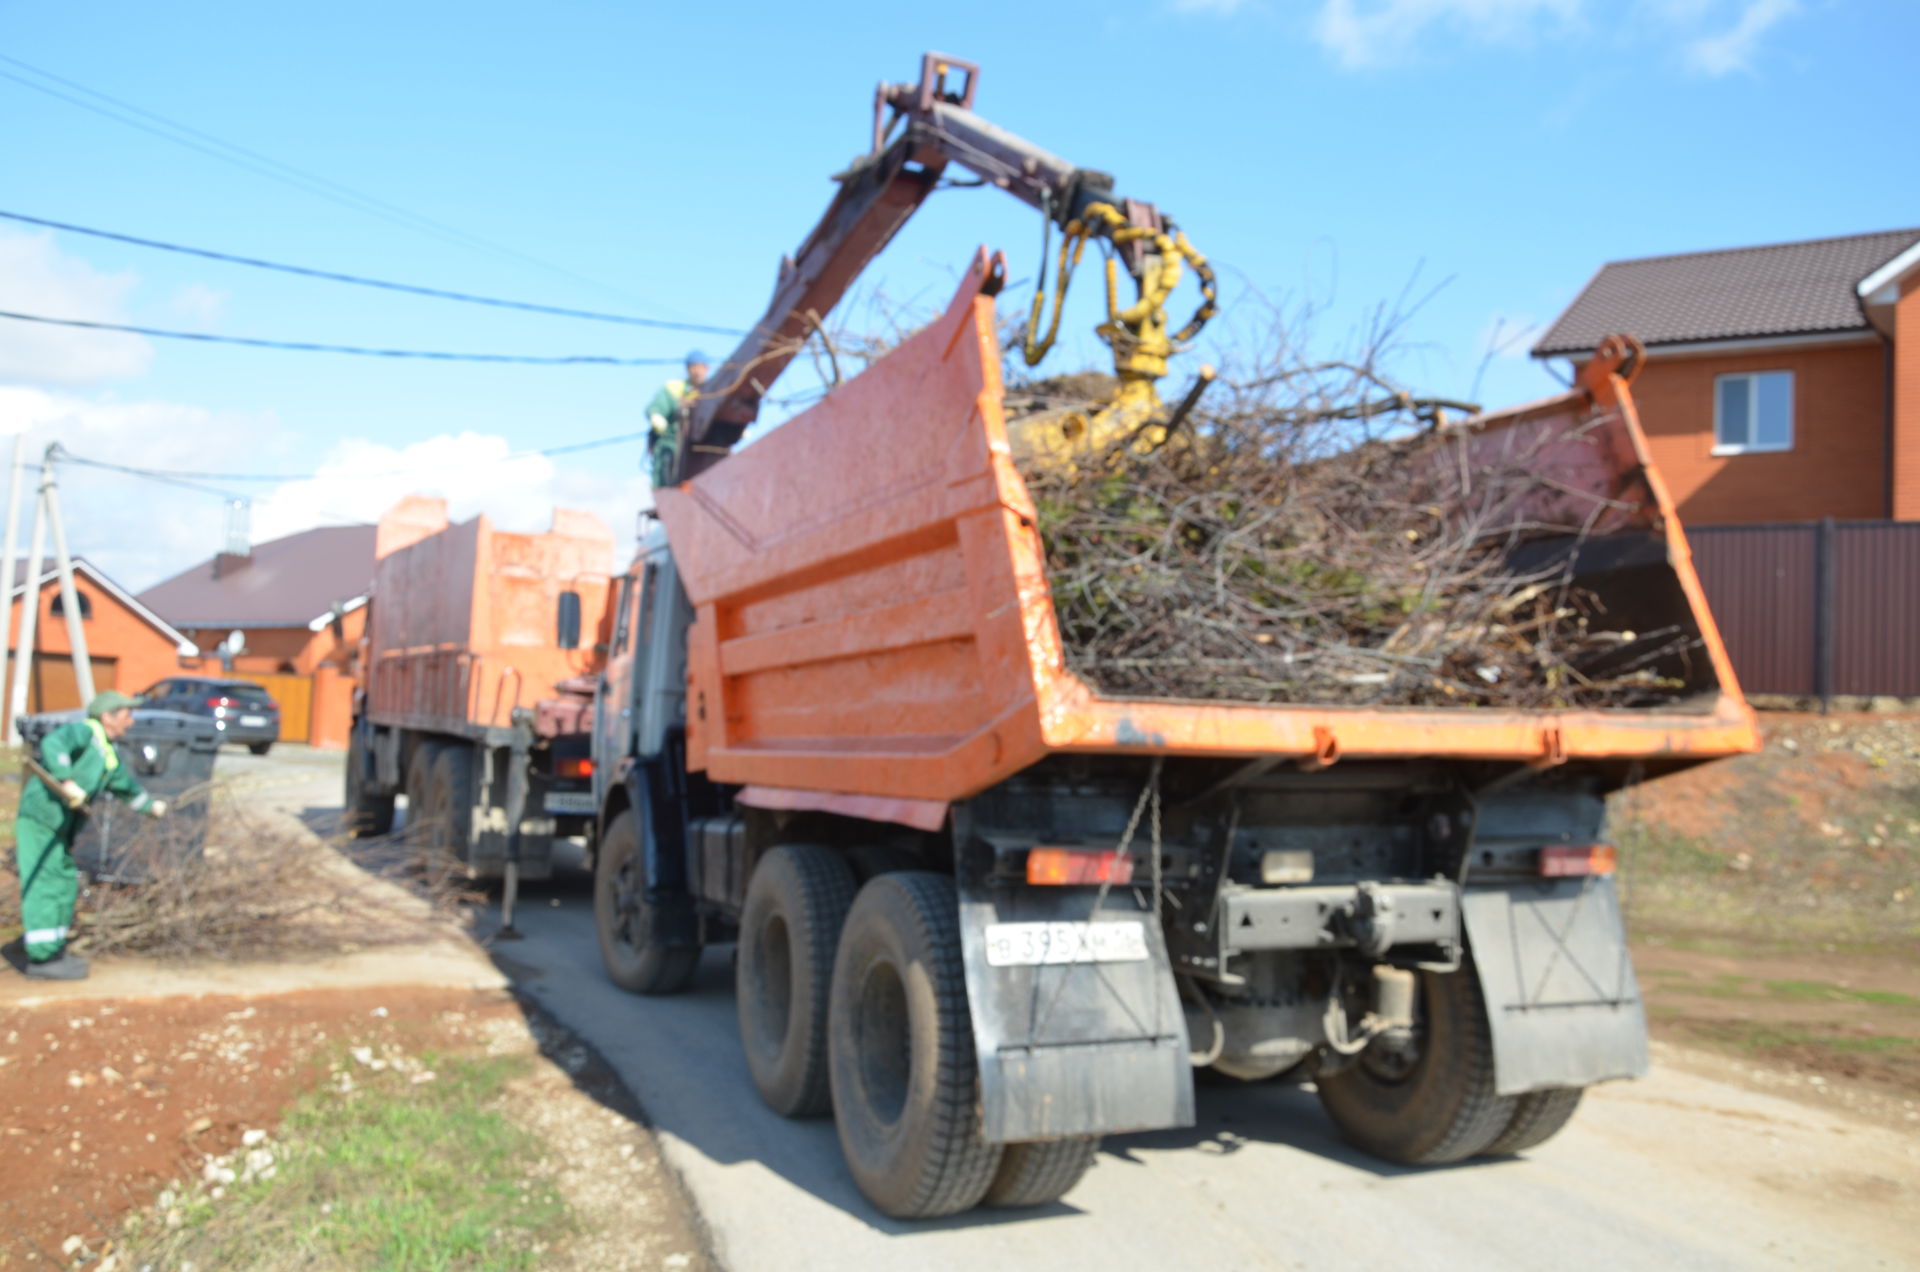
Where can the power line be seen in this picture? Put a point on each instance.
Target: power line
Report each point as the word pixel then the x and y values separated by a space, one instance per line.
pixel 187 477
pixel 266 167
pixel 229 495
pixel 274 170
pixel 301 346
pixel 357 280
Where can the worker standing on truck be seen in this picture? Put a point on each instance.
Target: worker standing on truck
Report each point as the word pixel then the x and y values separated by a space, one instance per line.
pixel 79 761
pixel 666 413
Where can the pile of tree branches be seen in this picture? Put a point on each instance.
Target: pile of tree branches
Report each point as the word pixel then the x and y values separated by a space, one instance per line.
pixel 1318 535
pixel 254 890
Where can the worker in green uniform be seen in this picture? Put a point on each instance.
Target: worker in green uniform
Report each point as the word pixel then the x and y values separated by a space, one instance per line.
pixel 81 758
pixel 667 412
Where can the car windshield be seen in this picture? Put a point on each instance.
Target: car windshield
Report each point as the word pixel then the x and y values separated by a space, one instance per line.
pixel 245 691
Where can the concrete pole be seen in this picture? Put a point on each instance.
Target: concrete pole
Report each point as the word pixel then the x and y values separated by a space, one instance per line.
pixel 69 599
pixel 8 553
pixel 29 610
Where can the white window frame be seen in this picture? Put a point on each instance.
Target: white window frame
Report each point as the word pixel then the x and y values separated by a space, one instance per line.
pixel 1753 413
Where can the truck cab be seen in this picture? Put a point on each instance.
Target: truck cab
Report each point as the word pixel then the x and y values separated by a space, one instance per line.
pixel 642 690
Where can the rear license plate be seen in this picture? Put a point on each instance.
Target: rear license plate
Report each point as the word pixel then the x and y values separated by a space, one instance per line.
pixel 253 722
pixel 573 802
pixel 1036 944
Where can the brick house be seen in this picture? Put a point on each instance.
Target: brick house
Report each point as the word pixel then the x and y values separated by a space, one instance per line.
pixel 1782 382
pixel 299 605
pixel 129 646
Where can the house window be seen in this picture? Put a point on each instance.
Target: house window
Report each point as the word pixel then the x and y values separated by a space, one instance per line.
pixel 59 607
pixel 1753 412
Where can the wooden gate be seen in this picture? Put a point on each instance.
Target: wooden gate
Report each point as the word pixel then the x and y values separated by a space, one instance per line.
pixel 295 696
pixel 53 686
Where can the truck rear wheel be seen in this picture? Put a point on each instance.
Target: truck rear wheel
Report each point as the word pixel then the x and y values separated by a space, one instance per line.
pixel 450 801
pixel 1538 1116
pixel 796 904
pixel 367 815
pixel 636 960
pixel 1437 1106
pixel 419 790
pixel 1036 1174
pixel 906 1086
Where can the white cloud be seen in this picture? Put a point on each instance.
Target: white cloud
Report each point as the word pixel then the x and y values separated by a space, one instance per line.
pixel 1363 33
pixel 37 278
pixel 139 532
pixel 197 305
pixel 474 472
pixel 1370 33
pixel 1732 50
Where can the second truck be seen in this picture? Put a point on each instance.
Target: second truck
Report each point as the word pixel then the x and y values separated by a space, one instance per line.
pixel 985 914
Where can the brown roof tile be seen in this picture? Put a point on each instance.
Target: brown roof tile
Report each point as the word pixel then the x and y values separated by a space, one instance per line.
pixel 1737 293
pixel 284 583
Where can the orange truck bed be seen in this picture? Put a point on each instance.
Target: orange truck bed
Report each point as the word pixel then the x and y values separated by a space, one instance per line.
pixel 464 621
pixel 874 628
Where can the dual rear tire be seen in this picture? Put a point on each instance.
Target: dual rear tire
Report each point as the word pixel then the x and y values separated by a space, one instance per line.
pixel 367 815
pixel 797 903
pixel 1441 1105
pixel 440 797
pixel 858 1002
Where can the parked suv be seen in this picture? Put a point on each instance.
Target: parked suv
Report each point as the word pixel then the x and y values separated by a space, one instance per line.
pixel 240 709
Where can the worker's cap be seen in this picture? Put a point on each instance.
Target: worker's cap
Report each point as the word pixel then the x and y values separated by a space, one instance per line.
pixel 110 700
pixel 696 355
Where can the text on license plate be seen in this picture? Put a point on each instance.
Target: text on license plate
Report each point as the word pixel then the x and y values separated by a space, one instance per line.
pixel 253 722
pixel 1034 944
pixel 572 802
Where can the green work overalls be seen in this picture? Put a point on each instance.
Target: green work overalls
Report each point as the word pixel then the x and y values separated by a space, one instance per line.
pixel 43 832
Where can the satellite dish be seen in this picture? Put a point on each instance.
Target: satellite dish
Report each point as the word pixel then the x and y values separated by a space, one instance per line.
pixel 234 643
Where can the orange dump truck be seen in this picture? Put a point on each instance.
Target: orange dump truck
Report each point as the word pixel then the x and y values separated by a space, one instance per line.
pixel 469 628
pixel 986 914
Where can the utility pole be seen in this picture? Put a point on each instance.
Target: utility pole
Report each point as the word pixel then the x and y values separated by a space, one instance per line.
pixel 29 611
pixel 7 555
pixel 69 599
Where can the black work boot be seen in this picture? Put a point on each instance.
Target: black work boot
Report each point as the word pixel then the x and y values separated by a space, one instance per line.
pixel 62 966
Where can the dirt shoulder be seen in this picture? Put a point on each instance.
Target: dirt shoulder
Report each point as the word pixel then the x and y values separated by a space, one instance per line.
pixel 1774 903
pixel 119 1108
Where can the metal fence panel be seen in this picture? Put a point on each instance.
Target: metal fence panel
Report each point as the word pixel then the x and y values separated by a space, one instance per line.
pixel 1761 584
pixel 1876 608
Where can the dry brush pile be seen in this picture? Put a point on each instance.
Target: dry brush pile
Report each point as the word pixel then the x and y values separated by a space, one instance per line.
pixel 1316 535
pixel 256 890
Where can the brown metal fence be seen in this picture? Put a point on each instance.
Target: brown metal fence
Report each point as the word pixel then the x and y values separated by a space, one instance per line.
pixel 1816 608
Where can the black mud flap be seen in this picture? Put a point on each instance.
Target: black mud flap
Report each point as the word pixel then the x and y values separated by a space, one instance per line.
pixel 1562 1000
pixel 676 921
pixel 1086 1048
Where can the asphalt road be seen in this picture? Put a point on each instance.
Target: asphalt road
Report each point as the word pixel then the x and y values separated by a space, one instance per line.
pixel 1677 1171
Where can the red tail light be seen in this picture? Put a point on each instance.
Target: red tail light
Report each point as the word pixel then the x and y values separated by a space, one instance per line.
pixel 1563 861
pixel 580 767
pixel 219 702
pixel 1068 866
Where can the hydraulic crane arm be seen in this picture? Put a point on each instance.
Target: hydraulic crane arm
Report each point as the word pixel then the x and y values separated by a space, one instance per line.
pixel 918 130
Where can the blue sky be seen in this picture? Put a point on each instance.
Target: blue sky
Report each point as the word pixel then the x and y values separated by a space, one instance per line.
pixel 661 159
